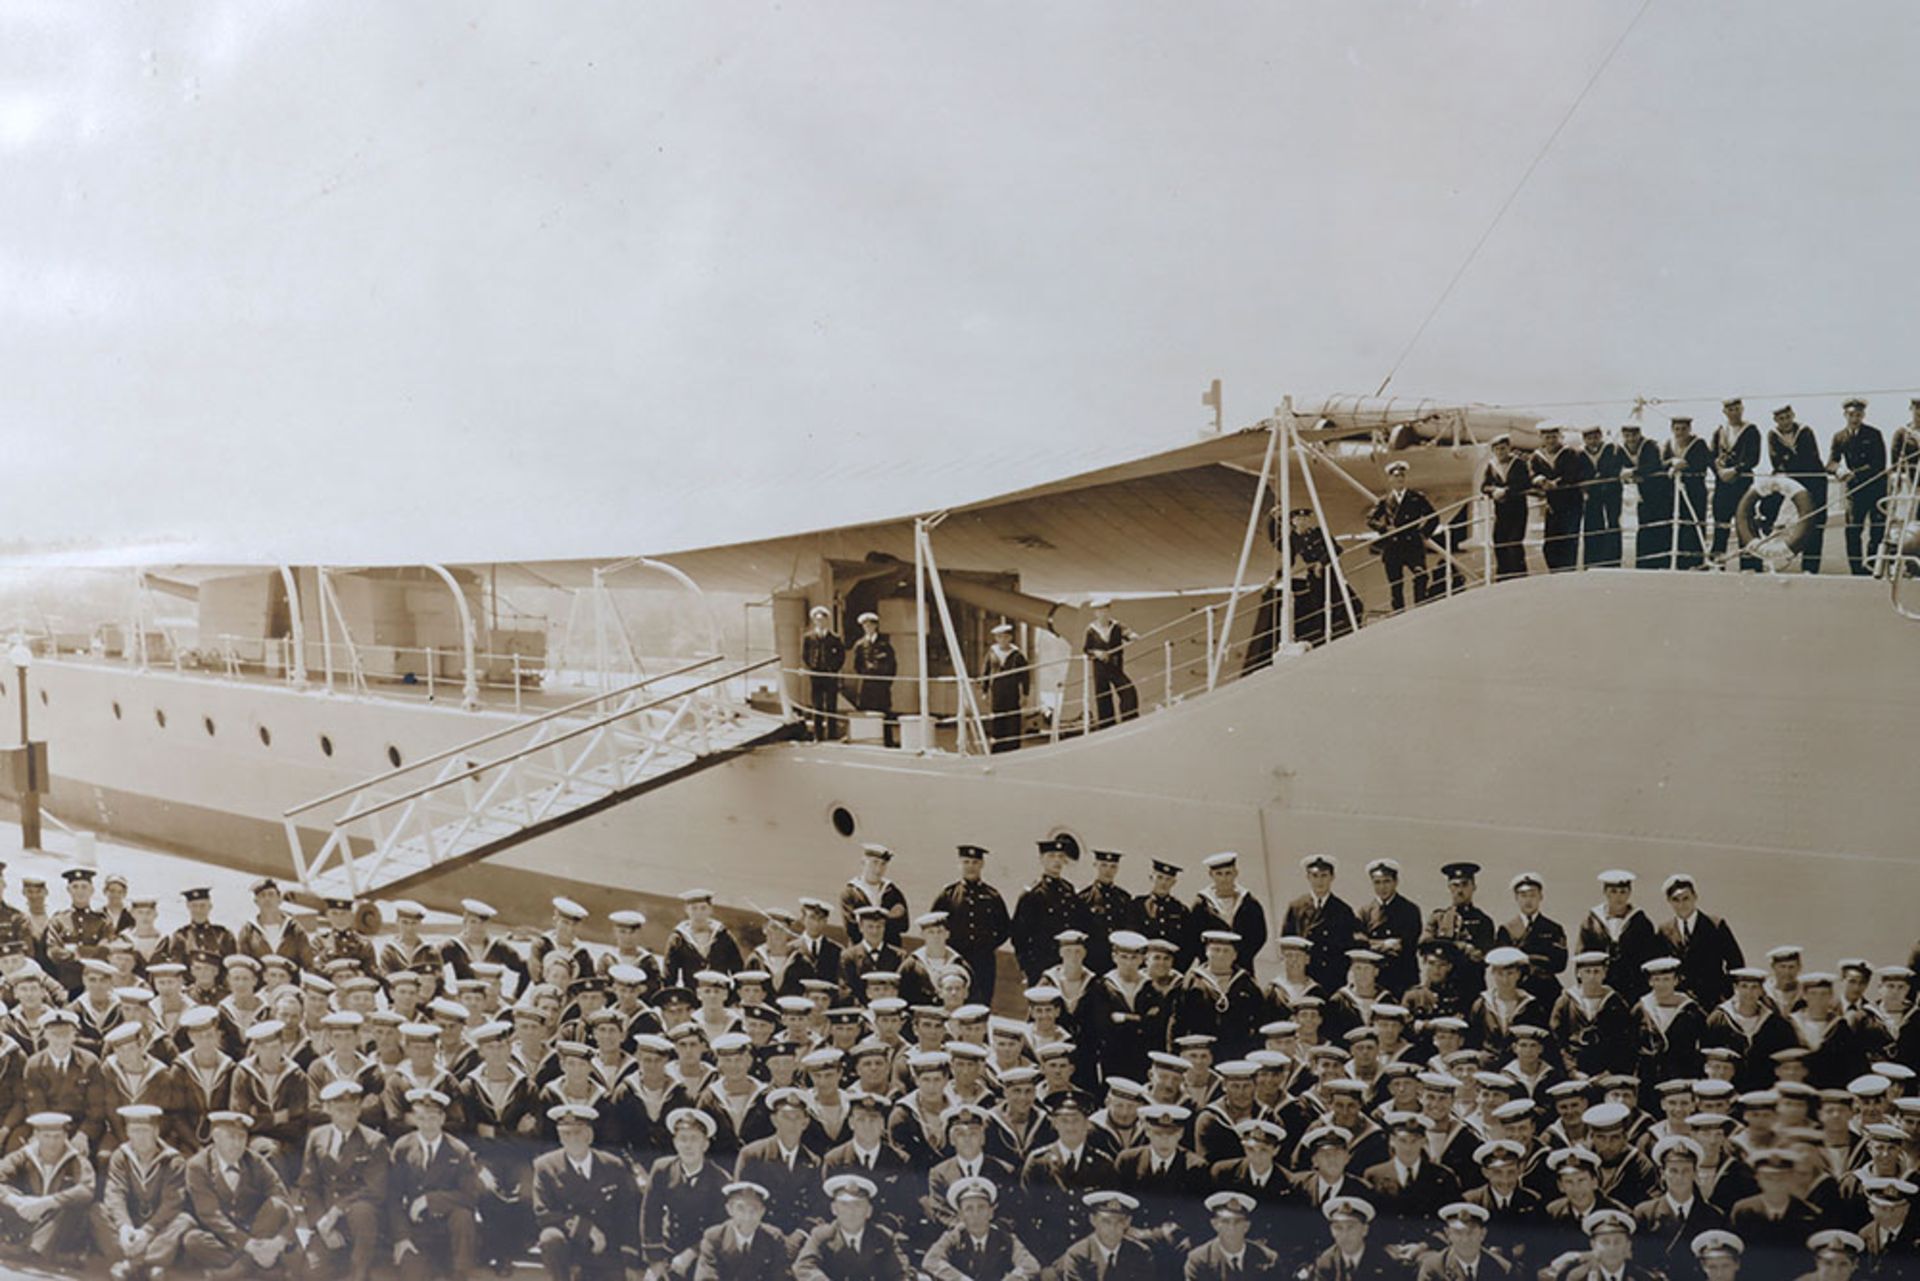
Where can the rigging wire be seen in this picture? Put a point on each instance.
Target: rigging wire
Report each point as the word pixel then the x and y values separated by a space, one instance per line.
pixel 1513 195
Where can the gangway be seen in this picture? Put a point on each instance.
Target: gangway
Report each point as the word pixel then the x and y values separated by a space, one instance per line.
pixel 524 780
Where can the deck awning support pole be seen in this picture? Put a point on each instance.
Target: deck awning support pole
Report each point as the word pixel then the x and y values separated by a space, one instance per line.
pixel 470 676
pixel 1339 577
pixel 920 627
pixel 1286 425
pixel 966 712
pixel 1218 657
pixel 297 669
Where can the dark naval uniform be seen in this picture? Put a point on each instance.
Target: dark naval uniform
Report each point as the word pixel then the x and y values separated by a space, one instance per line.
pixel 1405 522
pixel 1114 695
pixel 1006 677
pixel 1506 485
pixel 1162 916
pixel 1736 455
pixel 1328 929
pixel 1689 463
pixel 73 935
pixel 1600 520
pixel 331 945
pixel 1244 916
pixel 1471 932
pixel 209 937
pixel 1044 908
pixel 1545 943
pixel 1395 920
pixel 822 654
pixel 1864 451
pixel 875 664
pixel 977 924
pixel 1101 910
pixel 1797 456
pixel 1654 535
pixel 1561 476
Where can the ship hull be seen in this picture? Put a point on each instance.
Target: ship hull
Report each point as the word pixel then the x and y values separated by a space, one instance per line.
pixel 1750 730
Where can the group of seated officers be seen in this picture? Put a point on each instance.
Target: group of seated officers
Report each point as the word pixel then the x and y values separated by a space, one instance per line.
pixel 1412 1096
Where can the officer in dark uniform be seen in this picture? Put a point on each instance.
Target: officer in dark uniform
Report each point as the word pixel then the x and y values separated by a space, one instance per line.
pixel 1794 453
pixel 1405 520
pixel 1600 520
pixel 1653 535
pixel 1161 915
pixel 1505 482
pixel 201 933
pixel 1441 992
pixel 1736 456
pixel 1561 474
pixel 1689 459
pixel 822 654
pixel 1543 939
pixel 1103 908
pixel 1390 925
pixel 977 921
pixel 338 940
pixel 1859 457
pixel 1463 924
pixel 1043 909
pixel 78 932
pixel 1325 920
pixel 1903 461
pixel 876 665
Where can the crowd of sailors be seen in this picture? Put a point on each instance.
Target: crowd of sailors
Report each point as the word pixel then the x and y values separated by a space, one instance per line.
pixel 848 1088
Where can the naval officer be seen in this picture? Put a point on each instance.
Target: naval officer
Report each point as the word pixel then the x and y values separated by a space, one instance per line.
pixel 1560 474
pixel 875 665
pixel 1859 457
pixel 977 922
pixel 1390 925
pixel 1103 908
pixel 1044 909
pixel 1464 924
pixel 1161 915
pixel 822 654
pixel 1324 920
pixel 1405 520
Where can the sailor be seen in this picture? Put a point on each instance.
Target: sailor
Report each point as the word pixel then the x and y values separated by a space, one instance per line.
pixel 1390 925
pixel 1463 923
pixel 1044 909
pixel 434 1191
pixel 1405 521
pixel 1104 907
pixel 1005 679
pixel 822 653
pixel 343 1183
pixel 1324 920
pixel 1225 905
pixel 243 1224
pixel 1707 950
pixel 76 932
pixel 142 1212
pixel 977 922
pixel 1904 452
pixel 1115 698
pixel 564 938
pixel 875 666
pixel 201 933
pixel 1600 519
pixel 872 888
pixel 586 1202
pixel 46 1189
pixel 1505 483
pixel 272 932
pixel 1561 475
pixel 476 945
pixel 1736 456
pixel 1653 510
pixel 36 918
pixel 1622 931
pixel 1859 457
pixel 1542 938
pixel 1795 454
pixel 1688 459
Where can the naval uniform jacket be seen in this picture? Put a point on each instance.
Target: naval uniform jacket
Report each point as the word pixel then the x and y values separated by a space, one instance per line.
pixel 1043 910
pixel 1329 930
pixel 957 1256
pixel 1545 942
pixel 723 1257
pixel 977 917
pixel 794 1197
pixel 686 956
pixel 228 1213
pixel 874 662
pixel 450 1181
pixel 357 1172
pixel 137 1195
pixel 294 944
pixel 606 1198
pixel 829 1255
pixel 1051 1191
pixel 281 1107
pixel 74 1087
pixel 1243 915
pixel 1414 1202
pixel 1372 1265
pixel 1397 920
pixel 678 1207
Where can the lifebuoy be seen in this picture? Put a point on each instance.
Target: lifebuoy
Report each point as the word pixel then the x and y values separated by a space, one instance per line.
pixel 1781 545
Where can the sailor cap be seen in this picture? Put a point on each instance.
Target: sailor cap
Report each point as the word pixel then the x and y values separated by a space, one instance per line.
pixel 1237 1205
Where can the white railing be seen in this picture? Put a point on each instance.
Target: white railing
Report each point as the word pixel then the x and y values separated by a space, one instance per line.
pixel 450 805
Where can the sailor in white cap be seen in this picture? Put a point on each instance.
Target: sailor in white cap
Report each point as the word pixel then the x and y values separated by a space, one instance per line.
pixel 1324 920
pixel 563 937
pixel 850 1244
pixel 822 654
pixel 1560 474
pixel 1006 677
pixel 1115 698
pixel 589 1200
pixel 1226 905
pixel 1506 482
pixel 135 1233
pixel 1621 930
pixel 1405 521
pixel 475 943
pixel 1542 938
pixel 743 1248
pixel 699 941
pixel 974 1245
pixel 874 667
pixel 1600 517
pixel 51 1169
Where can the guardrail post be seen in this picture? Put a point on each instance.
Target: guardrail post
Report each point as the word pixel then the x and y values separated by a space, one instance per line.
pixel 1168 647
pixel 431 695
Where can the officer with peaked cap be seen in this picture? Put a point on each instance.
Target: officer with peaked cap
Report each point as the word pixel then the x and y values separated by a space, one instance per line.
pixel 1230 1255
pixel 243 1218
pixel 738 1245
pixel 978 1243
pixel 1043 909
pixel 850 1244
pixel 1103 908
pixel 434 1193
pixel 1405 521
pixel 1352 1256
pixel 874 667
pixel 1463 923
pixel 1466 1255
pixel 1389 923
pixel 1111 1251
pixel 1609 1232
pixel 822 654
pixel 1858 456
pixel 586 1201
pixel 1717 1254
pixel 1542 938
pixel 977 921
pixel 343 1182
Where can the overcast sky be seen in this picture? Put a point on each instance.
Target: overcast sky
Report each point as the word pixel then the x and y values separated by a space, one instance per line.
pixel 466 280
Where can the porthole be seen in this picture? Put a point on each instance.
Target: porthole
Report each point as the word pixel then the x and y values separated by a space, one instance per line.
pixel 326 746
pixel 207 721
pixel 266 737
pixel 160 717
pixel 117 714
pixel 393 756
pixel 842 819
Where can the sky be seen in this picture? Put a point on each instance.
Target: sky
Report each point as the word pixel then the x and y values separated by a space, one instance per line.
pixel 483 280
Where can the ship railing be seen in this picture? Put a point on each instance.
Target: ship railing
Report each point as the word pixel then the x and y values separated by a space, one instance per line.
pixel 423 668
pixel 412 819
pixel 1188 655
pixel 1900 552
